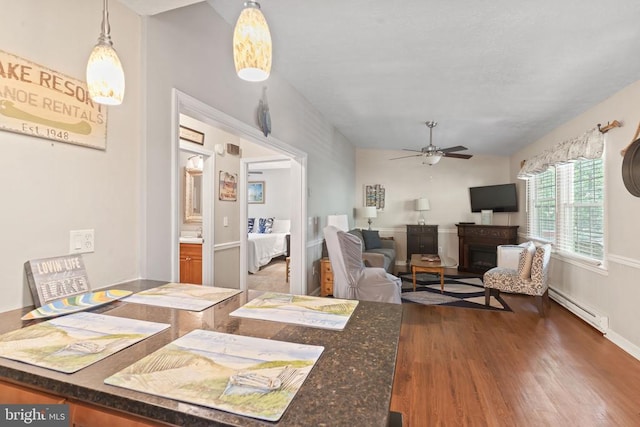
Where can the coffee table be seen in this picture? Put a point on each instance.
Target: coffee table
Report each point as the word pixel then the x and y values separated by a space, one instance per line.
pixel 420 266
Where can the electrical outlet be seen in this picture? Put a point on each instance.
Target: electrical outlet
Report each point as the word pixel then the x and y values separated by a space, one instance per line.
pixel 81 241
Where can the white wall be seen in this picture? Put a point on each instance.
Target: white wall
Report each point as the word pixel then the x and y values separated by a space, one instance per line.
pixel 613 292
pixel 190 49
pixel 50 188
pixel 445 184
pixel 277 201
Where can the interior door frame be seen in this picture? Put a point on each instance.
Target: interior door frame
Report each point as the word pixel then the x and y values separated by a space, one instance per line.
pixel 192 107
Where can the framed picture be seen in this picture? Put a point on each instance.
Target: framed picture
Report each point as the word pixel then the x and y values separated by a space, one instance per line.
pixel 191 135
pixel 228 186
pixel 374 196
pixel 255 192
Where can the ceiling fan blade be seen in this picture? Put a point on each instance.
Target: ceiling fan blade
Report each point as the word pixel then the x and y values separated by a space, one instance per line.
pixel 404 157
pixel 458 156
pixel 410 149
pixel 452 149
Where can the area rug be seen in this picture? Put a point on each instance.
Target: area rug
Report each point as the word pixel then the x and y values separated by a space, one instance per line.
pixel 464 292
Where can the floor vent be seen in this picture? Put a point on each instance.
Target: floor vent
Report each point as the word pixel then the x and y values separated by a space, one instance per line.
pixel 597 320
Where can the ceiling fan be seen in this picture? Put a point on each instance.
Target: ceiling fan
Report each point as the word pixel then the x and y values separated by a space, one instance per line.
pixel 432 154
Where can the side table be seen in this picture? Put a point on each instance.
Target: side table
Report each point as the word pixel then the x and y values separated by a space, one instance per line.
pixel 326 277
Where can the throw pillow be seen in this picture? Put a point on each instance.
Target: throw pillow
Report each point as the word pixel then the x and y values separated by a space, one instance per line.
pixel 371 239
pixel 526 258
pixel 250 224
pixel 265 225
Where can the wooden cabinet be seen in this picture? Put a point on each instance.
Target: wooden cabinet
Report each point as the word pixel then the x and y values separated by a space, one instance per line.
pixel 80 414
pixel 88 415
pixel 191 263
pixel 421 239
pixel 15 394
pixel 326 278
pixel 477 245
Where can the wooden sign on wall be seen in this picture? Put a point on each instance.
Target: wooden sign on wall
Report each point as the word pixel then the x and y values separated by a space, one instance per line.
pixel 40 102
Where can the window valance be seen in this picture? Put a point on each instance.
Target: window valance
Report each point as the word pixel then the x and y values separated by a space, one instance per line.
pixel 590 145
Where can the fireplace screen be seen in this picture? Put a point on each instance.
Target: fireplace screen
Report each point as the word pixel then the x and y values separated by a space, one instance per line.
pixel 482 257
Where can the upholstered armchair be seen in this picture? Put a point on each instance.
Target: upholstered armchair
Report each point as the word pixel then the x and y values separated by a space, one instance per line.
pixel 351 278
pixel 522 269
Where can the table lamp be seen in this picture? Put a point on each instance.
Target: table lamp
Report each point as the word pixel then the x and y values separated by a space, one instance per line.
pixel 369 212
pixel 421 205
pixel 339 221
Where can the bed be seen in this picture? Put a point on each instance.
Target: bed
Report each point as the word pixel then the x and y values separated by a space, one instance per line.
pixel 263 247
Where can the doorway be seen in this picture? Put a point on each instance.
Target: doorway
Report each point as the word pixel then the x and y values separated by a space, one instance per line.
pixel 269 212
pixel 189 106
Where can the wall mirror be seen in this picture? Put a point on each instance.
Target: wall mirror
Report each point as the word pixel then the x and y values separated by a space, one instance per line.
pixel 192 195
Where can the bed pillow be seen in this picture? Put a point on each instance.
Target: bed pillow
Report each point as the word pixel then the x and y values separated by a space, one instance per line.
pixel 371 239
pixel 265 225
pixel 281 226
pixel 250 225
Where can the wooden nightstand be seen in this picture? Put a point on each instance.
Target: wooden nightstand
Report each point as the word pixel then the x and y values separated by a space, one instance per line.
pixel 326 278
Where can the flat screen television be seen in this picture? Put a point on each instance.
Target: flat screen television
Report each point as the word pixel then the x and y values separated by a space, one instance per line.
pixel 497 198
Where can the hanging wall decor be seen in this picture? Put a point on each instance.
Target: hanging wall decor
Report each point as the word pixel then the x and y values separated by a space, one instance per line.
pixel 228 186
pixel 374 196
pixel 40 102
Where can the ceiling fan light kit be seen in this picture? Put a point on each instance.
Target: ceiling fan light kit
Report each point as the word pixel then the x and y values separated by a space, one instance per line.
pixel 432 154
pixel 431 159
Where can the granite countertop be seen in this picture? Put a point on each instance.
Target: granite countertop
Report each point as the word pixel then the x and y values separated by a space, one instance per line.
pixel 349 386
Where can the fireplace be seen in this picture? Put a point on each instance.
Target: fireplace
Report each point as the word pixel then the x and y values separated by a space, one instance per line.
pixel 482 257
pixel 477 245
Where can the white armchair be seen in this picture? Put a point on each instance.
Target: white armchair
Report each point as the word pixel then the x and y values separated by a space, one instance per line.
pixel 351 279
pixel 522 269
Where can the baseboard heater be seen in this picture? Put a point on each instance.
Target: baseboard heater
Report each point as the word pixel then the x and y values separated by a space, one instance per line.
pixel 597 320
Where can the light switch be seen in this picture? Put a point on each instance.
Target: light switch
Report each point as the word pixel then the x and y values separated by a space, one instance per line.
pixel 225 221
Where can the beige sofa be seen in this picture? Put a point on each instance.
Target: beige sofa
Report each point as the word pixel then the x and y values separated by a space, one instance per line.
pixel 377 251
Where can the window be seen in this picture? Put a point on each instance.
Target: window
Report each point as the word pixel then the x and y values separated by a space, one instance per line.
pixel 565 205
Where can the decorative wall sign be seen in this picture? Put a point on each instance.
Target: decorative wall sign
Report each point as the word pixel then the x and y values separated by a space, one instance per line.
pixel 191 135
pixel 374 196
pixel 40 102
pixel 55 278
pixel 228 186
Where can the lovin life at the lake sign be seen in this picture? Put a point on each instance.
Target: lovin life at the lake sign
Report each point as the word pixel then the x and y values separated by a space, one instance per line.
pixel 40 102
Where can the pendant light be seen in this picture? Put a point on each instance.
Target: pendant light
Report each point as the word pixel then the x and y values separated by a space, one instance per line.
pixel 105 77
pixel 252 44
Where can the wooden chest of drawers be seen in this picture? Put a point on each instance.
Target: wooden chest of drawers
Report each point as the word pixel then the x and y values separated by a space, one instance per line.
pixel 326 278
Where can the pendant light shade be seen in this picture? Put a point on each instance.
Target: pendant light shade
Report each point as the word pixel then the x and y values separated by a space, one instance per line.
pixel 105 76
pixel 252 44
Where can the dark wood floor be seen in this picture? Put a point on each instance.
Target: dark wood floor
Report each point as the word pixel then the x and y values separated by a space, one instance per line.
pixel 466 367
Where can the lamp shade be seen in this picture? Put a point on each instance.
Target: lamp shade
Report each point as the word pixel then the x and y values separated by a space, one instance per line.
pixel 252 44
pixel 105 76
pixel 341 222
pixel 195 162
pixel 422 204
pixel 369 212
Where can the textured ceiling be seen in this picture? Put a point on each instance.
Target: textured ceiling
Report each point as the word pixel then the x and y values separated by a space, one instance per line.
pixel 496 75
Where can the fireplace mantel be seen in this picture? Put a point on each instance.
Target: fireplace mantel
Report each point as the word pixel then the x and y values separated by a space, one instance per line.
pixel 477 245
